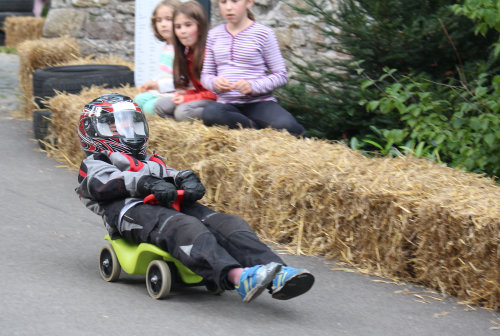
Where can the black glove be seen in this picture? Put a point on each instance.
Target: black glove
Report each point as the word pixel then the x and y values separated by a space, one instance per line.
pixel 191 184
pixel 165 192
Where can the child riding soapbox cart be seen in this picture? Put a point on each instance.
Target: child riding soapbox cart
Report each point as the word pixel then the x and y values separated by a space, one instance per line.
pixel 161 269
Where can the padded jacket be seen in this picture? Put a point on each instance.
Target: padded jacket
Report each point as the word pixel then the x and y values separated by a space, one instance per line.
pixel 109 183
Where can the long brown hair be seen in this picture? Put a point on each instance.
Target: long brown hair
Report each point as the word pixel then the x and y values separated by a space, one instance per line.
pixel 195 11
pixel 250 15
pixel 169 3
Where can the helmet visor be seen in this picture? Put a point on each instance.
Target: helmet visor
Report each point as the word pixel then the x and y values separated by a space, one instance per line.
pixel 127 123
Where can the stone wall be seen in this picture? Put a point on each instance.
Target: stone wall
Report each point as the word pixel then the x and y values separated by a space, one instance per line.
pixel 101 26
pixel 107 26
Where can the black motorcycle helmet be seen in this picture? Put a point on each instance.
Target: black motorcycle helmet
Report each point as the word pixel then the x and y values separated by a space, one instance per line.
pixel 113 122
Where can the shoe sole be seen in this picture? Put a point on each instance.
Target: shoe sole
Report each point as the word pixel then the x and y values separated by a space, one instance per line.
pixel 257 290
pixel 297 285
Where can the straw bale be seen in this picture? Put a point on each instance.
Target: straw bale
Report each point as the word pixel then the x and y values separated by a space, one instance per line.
pixel 92 59
pixel 463 256
pixel 22 28
pixel 41 53
pixel 402 218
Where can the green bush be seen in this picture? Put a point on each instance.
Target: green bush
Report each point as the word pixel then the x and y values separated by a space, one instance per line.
pixel 7 50
pixel 459 123
pixel 439 100
pixel 411 36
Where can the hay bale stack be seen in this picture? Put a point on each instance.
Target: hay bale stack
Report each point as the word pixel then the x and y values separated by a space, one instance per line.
pixel 91 59
pixel 458 250
pixel 22 28
pixel 101 60
pixel 403 218
pixel 41 53
pixel 52 52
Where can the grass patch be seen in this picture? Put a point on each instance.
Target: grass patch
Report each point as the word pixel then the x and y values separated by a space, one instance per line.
pixel 7 50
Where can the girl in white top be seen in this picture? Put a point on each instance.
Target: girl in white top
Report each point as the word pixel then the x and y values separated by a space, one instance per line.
pixel 161 22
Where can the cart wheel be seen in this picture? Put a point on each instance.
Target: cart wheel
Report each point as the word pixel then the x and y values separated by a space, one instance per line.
pixel 109 267
pixel 214 289
pixel 158 279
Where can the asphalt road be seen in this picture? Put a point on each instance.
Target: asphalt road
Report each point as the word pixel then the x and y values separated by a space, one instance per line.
pixel 50 285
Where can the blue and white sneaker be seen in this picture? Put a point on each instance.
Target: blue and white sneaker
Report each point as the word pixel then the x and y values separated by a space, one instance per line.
pixel 291 282
pixel 255 279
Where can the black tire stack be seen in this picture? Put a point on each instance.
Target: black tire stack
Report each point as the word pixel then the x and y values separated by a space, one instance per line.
pixel 13 8
pixel 42 121
pixel 71 79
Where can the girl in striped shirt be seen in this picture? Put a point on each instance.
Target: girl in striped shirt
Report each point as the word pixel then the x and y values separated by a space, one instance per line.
pixel 243 65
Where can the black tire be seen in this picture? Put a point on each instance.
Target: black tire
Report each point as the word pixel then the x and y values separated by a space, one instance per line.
pixel 41 125
pixel 158 279
pixel 2 38
pixel 109 267
pixel 16 5
pixel 73 78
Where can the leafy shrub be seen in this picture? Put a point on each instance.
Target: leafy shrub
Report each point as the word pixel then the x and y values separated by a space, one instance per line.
pixel 370 35
pixel 461 123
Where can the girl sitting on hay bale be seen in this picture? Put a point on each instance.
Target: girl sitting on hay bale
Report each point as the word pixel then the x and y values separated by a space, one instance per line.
pixel 243 65
pixel 190 26
pixel 152 90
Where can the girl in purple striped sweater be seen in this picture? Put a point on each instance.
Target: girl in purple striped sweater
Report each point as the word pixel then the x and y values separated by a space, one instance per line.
pixel 243 65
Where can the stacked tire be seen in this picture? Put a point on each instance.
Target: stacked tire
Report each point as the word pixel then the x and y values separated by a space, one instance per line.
pixel 42 122
pixel 13 8
pixel 71 79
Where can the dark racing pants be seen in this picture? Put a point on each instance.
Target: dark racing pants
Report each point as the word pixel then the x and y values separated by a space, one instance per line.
pixel 207 242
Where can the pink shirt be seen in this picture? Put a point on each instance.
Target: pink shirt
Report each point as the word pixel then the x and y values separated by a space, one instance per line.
pixel 253 54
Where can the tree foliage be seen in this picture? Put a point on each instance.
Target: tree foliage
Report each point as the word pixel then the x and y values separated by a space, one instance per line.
pixel 414 74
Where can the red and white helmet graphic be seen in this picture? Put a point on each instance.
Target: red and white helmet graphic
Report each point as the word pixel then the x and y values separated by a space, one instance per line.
pixel 113 122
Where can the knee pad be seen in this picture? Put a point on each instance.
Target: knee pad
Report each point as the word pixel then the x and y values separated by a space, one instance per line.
pixel 226 224
pixel 183 230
